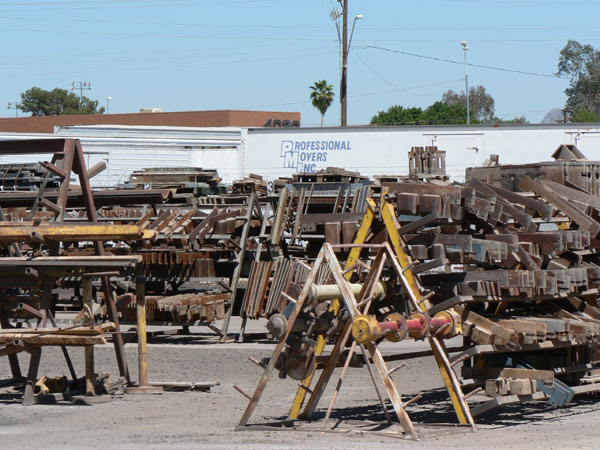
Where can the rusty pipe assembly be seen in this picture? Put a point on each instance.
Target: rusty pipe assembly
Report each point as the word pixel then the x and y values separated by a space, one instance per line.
pixel 395 327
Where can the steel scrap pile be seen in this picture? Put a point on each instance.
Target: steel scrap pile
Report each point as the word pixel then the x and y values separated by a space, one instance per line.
pixel 522 270
pixel 192 262
pixel 43 256
pixel 517 275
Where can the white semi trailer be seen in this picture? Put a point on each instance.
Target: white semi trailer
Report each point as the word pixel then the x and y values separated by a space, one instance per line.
pixel 275 152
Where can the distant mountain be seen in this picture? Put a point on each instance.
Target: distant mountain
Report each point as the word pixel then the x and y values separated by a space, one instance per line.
pixel 554 116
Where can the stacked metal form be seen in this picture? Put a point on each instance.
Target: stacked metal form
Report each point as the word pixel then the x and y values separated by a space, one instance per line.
pixel 570 168
pixel 40 258
pixel 187 183
pixel 515 274
pixel 521 269
pixel 309 210
pixel 25 177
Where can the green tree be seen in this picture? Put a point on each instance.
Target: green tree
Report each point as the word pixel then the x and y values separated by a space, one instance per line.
pixel 582 64
pixel 441 113
pixel 582 115
pixel 451 110
pixel 321 96
pixel 56 102
pixel 480 102
pixel 398 115
pixel 514 120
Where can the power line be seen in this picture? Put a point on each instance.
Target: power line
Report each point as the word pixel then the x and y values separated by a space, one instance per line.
pixel 373 70
pixel 167 24
pixel 531 2
pixel 158 58
pixel 158 52
pixel 396 88
pixel 468 28
pixel 353 96
pixel 470 39
pixel 184 36
pixel 480 66
pixel 269 38
pixel 170 66
pixel 112 5
pixel 304 27
pixel 410 88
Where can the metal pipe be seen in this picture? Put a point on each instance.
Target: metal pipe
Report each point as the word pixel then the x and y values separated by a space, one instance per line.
pixel 90 379
pixel 366 329
pixel 415 324
pixel 140 299
pixel 322 292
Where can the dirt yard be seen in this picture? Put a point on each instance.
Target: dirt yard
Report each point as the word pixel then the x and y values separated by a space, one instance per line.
pixel 208 419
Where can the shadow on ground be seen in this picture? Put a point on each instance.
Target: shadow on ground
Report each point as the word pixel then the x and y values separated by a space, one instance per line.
pixel 435 408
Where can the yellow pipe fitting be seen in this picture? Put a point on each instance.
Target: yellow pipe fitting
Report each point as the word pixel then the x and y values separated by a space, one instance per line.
pixel 365 329
pixel 456 324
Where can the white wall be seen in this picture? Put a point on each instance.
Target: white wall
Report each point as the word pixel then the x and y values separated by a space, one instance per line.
pixel 236 152
pixel 125 149
pixel 384 150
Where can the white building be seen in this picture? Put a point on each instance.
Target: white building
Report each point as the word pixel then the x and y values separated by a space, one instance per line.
pixel 125 149
pixel 275 152
pixel 384 150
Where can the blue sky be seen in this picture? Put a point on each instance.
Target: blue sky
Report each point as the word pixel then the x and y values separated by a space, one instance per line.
pixel 264 54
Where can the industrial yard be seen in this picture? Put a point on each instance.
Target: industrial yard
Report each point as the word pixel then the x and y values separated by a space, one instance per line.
pixel 327 308
pixel 208 419
pixel 259 224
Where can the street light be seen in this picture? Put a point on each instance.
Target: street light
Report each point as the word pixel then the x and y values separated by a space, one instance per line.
pixel 357 17
pixel 465 50
pixel 335 15
pixel 345 47
pixel 108 99
pixel 16 106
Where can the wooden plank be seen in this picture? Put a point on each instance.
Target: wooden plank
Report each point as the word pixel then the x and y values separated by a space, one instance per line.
pixel 547 376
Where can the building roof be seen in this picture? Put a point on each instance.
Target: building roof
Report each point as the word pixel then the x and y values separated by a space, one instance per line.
pixel 217 118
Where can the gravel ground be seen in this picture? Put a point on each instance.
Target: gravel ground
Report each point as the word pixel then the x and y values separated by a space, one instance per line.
pixel 207 419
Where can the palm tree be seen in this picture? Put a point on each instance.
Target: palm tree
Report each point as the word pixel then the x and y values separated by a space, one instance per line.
pixel 321 96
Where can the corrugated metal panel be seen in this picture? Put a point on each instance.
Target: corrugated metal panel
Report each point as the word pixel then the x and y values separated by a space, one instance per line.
pixel 128 148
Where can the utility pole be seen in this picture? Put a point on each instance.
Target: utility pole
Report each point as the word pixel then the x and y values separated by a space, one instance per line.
pixel 16 106
pixel 81 85
pixel 465 49
pixel 343 83
pixel 345 44
pixel 335 16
